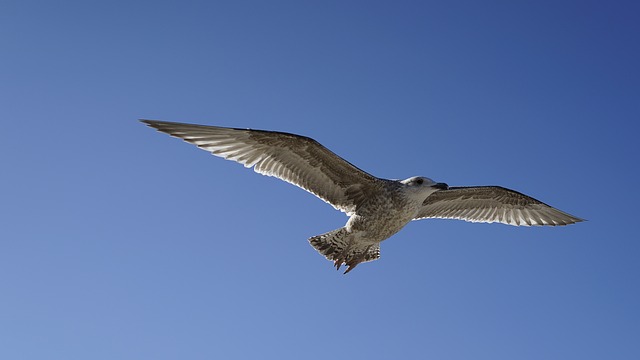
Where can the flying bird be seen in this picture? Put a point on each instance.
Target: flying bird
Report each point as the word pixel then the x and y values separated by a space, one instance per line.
pixel 377 208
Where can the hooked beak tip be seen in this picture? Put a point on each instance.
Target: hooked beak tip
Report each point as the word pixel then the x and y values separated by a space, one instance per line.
pixel 440 186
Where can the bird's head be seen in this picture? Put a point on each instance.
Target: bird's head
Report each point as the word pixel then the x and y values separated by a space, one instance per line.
pixel 423 185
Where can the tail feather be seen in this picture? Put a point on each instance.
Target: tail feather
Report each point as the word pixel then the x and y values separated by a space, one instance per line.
pixel 331 244
pixel 338 246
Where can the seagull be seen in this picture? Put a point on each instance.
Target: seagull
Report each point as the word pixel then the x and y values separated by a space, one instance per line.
pixel 377 208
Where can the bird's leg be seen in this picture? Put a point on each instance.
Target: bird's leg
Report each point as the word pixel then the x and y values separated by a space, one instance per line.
pixel 350 266
pixel 342 257
pixel 340 260
pixel 353 262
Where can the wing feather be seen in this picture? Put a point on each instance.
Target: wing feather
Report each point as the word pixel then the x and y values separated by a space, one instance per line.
pixel 296 159
pixel 492 204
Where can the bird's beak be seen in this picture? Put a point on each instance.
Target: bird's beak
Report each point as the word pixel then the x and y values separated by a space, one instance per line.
pixel 440 186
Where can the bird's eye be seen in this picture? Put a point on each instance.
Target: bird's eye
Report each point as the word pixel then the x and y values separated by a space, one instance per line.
pixel 419 181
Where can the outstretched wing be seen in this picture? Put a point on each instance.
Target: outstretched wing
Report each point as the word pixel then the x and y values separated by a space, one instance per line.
pixel 492 204
pixel 296 159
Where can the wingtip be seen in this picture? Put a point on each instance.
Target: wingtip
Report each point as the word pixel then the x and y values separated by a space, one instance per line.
pixel 147 121
pixel 155 124
pixel 571 221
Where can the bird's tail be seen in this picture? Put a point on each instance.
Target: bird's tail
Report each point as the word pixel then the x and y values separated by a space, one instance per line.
pixel 338 246
pixel 331 244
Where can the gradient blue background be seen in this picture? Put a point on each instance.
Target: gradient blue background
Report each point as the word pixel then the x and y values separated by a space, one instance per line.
pixel 118 242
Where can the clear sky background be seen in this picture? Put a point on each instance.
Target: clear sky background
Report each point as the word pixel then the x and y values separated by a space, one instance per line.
pixel 118 242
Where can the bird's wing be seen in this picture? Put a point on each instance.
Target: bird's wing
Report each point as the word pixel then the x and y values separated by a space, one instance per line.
pixel 492 204
pixel 296 159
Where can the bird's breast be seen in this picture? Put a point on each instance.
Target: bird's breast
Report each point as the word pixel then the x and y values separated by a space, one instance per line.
pixel 382 217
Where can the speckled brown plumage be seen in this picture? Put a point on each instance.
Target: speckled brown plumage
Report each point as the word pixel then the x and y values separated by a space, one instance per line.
pixel 377 208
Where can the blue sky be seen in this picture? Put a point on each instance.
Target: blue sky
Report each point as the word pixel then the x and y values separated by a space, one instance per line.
pixel 118 242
